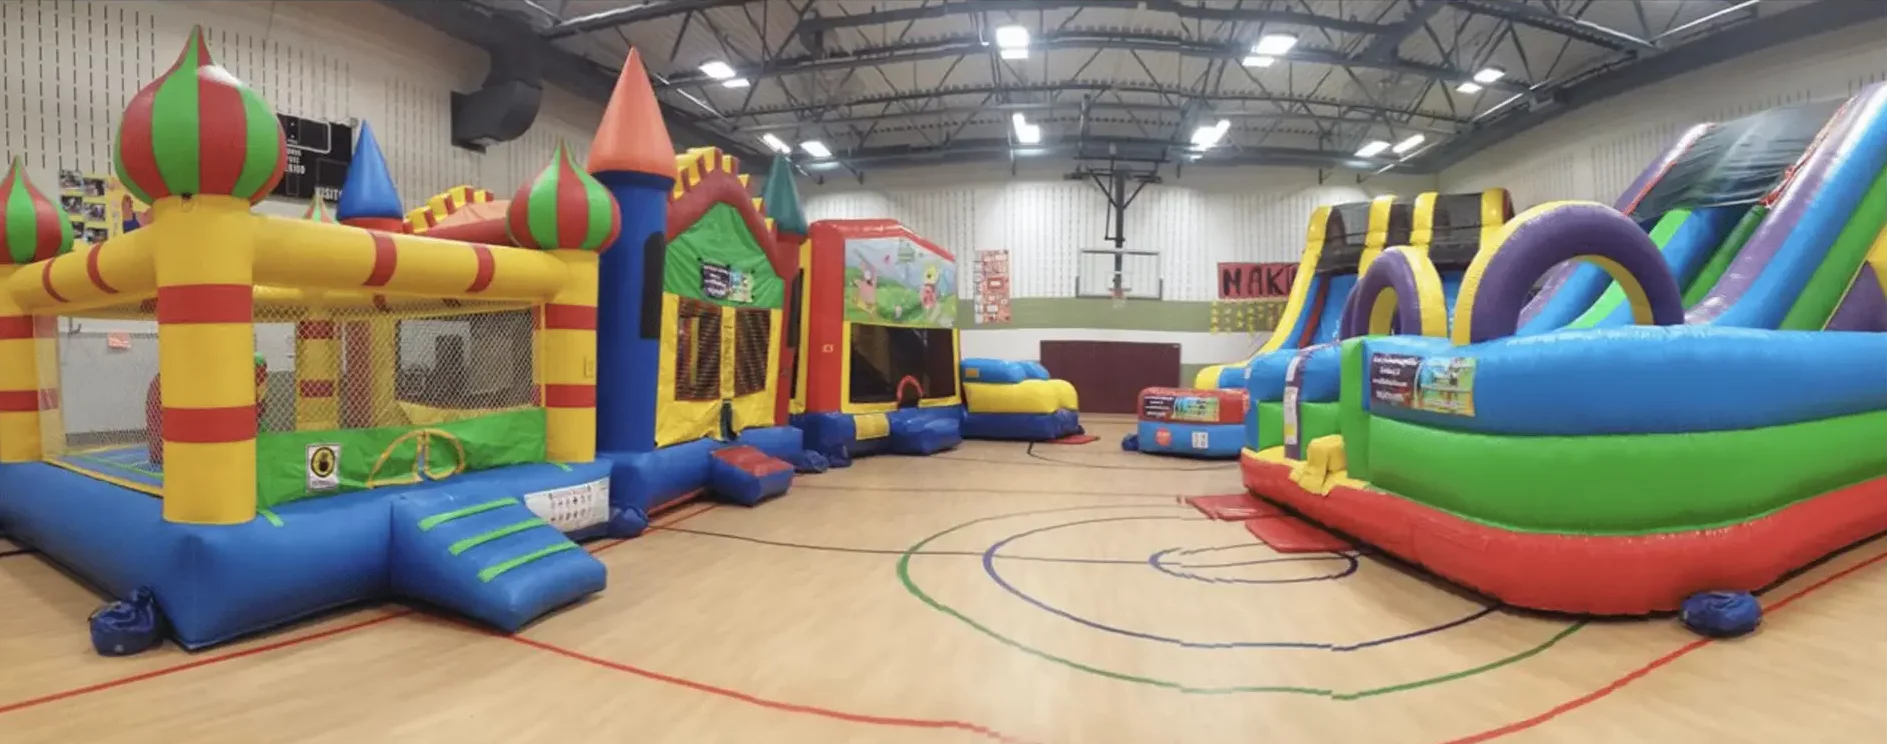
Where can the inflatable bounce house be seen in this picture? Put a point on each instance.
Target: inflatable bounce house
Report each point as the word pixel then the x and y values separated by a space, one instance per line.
pixel 880 367
pixel 1691 403
pixel 435 431
pixel 879 370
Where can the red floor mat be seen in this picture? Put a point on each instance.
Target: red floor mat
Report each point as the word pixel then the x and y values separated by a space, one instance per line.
pixel 1233 507
pixel 1074 439
pixel 1292 535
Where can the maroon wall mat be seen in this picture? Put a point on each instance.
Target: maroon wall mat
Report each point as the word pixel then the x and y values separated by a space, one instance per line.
pixel 1110 374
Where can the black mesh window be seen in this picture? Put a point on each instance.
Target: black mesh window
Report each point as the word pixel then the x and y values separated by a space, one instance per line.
pixel 654 257
pixel 698 351
pixel 752 345
pixel 902 365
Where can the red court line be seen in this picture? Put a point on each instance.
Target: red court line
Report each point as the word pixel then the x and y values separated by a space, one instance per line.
pixel 920 723
pixel 1649 667
pixel 196 663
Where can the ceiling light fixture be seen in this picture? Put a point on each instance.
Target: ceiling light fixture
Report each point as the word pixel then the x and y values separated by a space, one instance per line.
pixel 1489 75
pixel 1374 148
pixel 1259 60
pixel 1026 133
pixel 717 69
pixel 1022 53
pixel 1403 147
pixel 777 144
pixel 1012 37
pixel 815 148
pixel 736 83
pixel 1469 87
pixel 1274 45
pixel 1206 138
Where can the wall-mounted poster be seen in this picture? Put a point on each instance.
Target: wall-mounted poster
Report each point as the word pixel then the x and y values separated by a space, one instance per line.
pixel 897 281
pixel 992 287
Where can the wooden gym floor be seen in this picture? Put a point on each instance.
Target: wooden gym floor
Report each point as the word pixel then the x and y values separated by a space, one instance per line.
pixel 999 592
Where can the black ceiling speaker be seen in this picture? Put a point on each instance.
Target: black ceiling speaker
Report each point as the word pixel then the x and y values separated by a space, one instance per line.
pixel 504 107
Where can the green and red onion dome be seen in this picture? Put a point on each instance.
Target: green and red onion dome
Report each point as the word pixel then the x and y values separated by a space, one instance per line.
pixel 563 207
pixel 196 129
pixel 32 227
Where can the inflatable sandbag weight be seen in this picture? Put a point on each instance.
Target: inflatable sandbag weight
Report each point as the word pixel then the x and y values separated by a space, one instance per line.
pixel 129 626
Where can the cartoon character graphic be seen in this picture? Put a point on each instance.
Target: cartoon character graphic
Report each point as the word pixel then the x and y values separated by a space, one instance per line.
pixel 865 289
pixel 928 295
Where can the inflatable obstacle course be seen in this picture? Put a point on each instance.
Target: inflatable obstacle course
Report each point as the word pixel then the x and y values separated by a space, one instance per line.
pixel 1620 469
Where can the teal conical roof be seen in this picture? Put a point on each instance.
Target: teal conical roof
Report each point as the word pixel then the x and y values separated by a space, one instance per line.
pixel 781 198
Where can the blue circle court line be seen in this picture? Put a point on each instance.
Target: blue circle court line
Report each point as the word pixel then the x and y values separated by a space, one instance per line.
pixel 989 567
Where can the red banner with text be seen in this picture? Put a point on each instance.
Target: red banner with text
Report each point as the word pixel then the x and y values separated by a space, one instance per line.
pixel 1256 281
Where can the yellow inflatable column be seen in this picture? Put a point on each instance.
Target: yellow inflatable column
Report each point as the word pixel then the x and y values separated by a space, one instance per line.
pixel 570 215
pixel 568 364
pixel 19 381
pixel 317 373
pixel 206 358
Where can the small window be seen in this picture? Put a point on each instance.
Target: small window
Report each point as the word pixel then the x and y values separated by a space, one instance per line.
pixel 752 344
pixel 654 258
pixel 697 351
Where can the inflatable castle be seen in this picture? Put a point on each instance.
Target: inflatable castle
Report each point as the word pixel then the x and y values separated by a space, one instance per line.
pixel 1610 409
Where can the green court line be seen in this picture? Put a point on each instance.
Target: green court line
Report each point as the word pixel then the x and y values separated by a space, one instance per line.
pixel 435 520
pixel 273 518
pixel 910 585
pixel 480 539
pixel 495 571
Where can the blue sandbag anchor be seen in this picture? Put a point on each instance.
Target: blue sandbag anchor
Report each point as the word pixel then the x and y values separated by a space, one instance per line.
pixel 1721 614
pixel 128 627
pixel 1130 443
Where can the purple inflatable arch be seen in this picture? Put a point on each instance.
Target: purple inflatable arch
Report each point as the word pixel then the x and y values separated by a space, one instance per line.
pixel 1390 271
pixel 1582 230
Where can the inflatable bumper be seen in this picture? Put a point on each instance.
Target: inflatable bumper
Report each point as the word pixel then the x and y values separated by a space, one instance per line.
pixel 218 582
pixel 1191 422
pixel 1017 401
pixel 645 482
pixel 906 431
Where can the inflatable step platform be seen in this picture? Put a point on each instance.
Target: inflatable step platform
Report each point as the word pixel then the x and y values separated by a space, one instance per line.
pixel 744 475
pixel 485 554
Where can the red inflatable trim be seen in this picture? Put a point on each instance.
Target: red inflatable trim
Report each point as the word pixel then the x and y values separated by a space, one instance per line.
pixel 1602 575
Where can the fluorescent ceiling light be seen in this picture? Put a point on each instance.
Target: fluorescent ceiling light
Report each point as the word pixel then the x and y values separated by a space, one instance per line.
pixel 777 145
pixel 1205 138
pixel 1406 145
pixel 1026 133
pixel 1273 45
pixel 1022 53
pixel 1488 75
pixel 736 83
pixel 717 70
pixel 1259 60
pixel 1372 149
pixel 1012 37
pixel 815 148
pixel 1469 87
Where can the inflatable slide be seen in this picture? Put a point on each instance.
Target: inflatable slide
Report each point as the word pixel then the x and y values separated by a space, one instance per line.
pixel 1618 459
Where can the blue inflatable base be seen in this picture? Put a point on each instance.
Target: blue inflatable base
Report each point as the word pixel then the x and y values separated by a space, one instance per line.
pixel 1021 427
pixel 914 431
pixel 1204 441
pixel 643 482
pixel 214 583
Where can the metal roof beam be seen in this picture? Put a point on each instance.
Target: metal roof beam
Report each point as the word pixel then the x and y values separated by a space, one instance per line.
pixel 1383 46
pixel 637 13
pixel 1097 87
pixel 475 25
pixel 1546 20
pixel 1181 9
pixel 1006 108
pixel 962 45
pixel 1790 25
pixel 1100 148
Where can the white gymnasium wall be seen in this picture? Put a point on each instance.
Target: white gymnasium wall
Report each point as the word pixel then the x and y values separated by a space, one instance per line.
pixel 1595 152
pixel 68 68
pixel 1195 221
